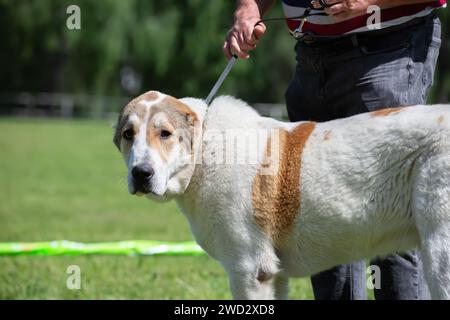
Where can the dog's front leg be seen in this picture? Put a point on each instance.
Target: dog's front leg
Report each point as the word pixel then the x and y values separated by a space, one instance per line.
pixel 252 285
pixel 281 286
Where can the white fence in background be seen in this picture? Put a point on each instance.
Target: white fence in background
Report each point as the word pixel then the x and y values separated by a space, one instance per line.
pixel 80 105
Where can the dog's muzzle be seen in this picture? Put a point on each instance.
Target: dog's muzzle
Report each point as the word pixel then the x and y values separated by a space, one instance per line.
pixel 142 176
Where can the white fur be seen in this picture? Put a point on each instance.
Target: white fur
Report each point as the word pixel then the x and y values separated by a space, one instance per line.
pixel 375 185
pixel 141 152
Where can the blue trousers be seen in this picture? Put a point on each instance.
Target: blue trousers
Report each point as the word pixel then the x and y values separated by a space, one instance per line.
pixel 344 76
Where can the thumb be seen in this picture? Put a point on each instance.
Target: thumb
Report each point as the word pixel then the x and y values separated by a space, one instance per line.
pixel 259 31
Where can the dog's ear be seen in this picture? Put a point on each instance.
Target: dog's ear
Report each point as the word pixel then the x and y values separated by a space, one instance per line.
pixel 118 129
pixel 188 122
pixel 193 111
pixel 198 106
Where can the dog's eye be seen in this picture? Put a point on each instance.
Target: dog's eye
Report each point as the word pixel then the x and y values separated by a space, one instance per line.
pixel 165 134
pixel 128 134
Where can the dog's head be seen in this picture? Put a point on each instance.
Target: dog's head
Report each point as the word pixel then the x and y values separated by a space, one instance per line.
pixel 158 137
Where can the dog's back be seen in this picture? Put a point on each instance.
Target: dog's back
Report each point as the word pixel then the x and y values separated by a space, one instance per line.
pixel 368 184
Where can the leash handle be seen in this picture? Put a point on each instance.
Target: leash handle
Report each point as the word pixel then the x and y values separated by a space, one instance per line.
pixel 221 79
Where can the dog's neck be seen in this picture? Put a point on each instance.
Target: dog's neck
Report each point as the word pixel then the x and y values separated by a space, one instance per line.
pixel 223 114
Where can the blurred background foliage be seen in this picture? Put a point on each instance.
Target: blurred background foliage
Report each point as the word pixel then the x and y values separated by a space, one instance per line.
pixel 127 47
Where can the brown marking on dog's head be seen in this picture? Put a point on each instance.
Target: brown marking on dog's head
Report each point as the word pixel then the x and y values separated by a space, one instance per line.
pixel 440 120
pixel 133 107
pixel 170 116
pixel 386 112
pixel 276 198
pixel 178 117
pixel 327 135
pixel 148 96
pixel 169 101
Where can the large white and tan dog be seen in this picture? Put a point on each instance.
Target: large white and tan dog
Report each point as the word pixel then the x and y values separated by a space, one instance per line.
pixel 306 197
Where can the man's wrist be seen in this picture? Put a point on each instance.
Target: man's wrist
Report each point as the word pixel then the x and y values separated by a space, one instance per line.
pixel 247 10
pixel 252 8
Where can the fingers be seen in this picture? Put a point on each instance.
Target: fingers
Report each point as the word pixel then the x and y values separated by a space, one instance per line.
pixel 331 2
pixel 335 9
pixel 234 44
pixel 258 32
pixel 237 47
pixel 234 48
pixel 226 49
pixel 323 4
pixel 342 10
pixel 246 41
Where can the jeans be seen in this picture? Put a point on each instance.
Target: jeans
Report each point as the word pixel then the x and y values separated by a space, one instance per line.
pixel 351 75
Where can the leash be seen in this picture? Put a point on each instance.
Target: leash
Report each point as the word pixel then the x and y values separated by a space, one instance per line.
pixel 221 79
pixel 307 13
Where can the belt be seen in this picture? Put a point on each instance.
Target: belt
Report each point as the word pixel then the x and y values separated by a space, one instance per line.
pixel 352 40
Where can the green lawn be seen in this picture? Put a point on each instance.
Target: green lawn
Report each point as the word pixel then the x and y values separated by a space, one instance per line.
pixel 65 180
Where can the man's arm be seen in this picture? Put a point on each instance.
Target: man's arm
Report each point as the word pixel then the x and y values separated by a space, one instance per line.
pixel 346 9
pixel 244 35
pixel 396 3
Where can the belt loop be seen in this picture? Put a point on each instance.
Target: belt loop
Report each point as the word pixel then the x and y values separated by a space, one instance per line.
pixel 354 40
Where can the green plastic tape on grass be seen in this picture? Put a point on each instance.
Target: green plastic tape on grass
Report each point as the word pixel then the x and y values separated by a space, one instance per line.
pixel 132 247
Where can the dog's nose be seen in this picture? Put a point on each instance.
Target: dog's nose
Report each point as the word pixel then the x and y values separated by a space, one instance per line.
pixel 142 173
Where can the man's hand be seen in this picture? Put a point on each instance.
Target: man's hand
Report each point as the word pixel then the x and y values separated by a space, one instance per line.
pixel 242 38
pixel 245 33
pixel 345 9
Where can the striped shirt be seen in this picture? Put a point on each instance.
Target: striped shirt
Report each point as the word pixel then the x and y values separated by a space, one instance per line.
pixel 324 25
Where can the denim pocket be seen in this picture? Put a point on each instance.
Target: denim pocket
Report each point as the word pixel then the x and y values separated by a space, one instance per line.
pixel 386 74
pixel 379 48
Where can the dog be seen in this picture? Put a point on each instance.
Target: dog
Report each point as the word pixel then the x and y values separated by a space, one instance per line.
pixel 309 196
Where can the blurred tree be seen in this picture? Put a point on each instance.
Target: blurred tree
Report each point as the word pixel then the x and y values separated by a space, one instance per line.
pixel 172 46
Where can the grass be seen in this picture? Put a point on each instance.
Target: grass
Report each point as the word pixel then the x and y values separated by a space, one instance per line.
pixel 65 180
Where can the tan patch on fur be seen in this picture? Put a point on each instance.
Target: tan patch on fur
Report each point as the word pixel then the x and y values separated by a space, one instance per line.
pixel 148 96
pixel 180 106
pixel 276 198
pixel 173 108
pixel 154 139
pixel 327 135
pixel 440 120
pixel 132 108
pixel 179 117
pixel 386 112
